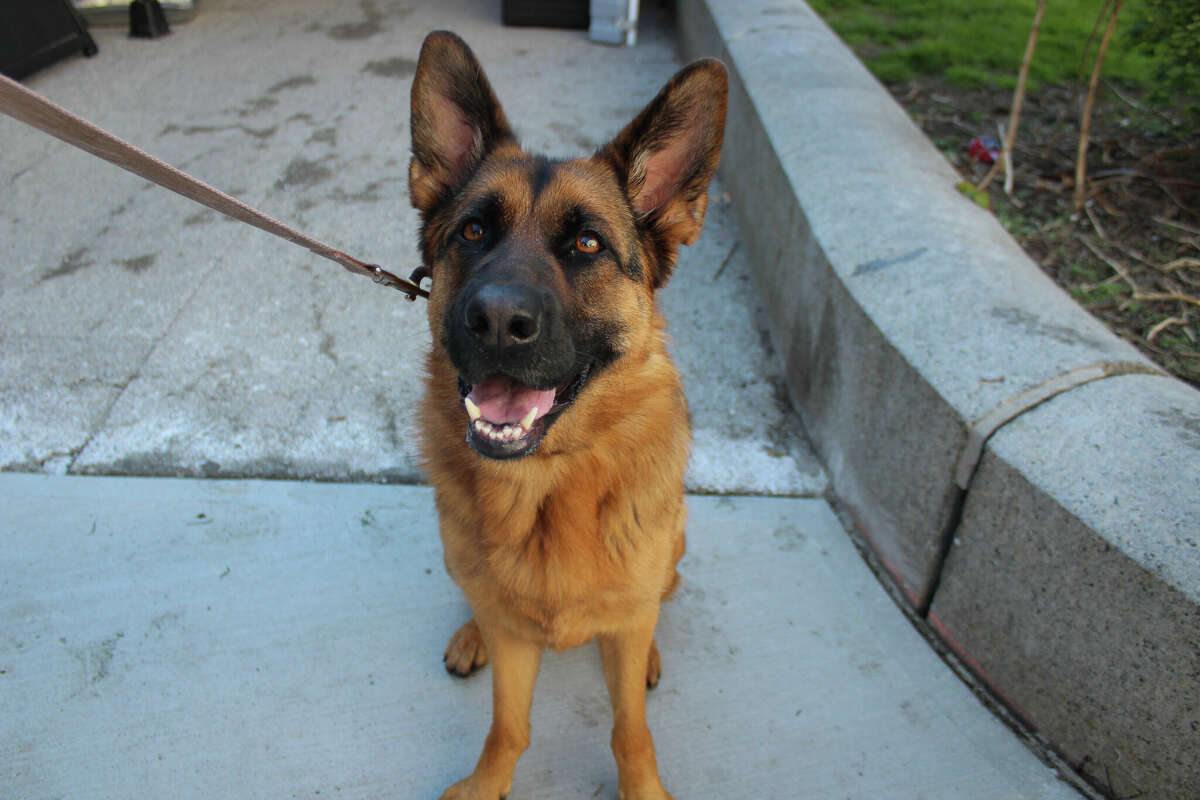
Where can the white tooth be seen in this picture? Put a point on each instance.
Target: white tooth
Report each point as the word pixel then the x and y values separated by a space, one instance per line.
pixel 472 410
pixel 527 420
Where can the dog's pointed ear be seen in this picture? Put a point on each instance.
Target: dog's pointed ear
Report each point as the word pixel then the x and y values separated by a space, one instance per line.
pixel 668 154
pixel 456 119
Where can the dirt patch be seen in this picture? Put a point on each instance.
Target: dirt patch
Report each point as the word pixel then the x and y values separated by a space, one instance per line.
pixel 1132 258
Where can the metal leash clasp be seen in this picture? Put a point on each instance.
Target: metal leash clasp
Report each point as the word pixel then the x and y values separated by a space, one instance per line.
pixel 412 289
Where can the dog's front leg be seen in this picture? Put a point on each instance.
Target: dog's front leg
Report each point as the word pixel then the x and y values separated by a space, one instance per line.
pixel 626 655
pixel 514 669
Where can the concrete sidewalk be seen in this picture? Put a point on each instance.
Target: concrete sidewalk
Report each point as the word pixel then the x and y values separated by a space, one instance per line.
pixel 145 335
pixel 169 638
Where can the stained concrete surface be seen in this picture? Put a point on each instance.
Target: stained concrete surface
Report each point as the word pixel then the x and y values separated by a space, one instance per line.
pixel 143 334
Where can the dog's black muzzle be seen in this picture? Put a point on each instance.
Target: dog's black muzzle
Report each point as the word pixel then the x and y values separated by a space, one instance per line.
pixel 516 359
pixel 514 329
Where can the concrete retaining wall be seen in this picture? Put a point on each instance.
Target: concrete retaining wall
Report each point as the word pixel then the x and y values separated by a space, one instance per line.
pixel 1030 482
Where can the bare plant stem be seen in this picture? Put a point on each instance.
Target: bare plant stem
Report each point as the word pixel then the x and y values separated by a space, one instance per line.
pixel 1138 294
pixel 1170 223
pixel 1157 329
pixel 1014 114
pixel 1117 266
pixel 1087 48
pixel 1088 103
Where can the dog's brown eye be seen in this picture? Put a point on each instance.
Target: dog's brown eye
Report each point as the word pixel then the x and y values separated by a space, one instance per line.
pixel 588 242
pixel 473 231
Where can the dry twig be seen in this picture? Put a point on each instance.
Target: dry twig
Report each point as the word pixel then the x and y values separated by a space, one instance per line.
pixel 1091 215
pixel 1177 297
pixel 1170 223
pixel 1138 294
pixel 1157 329
pixel 1180 263
pixel 1138 106
pixel 1117 266
pixel 1014 115
pixel 1088 103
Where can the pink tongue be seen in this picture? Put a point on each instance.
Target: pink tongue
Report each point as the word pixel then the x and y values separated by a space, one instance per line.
pixel 501 399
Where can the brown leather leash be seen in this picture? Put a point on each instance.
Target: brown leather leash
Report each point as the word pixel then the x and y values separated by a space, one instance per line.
pixel 33 109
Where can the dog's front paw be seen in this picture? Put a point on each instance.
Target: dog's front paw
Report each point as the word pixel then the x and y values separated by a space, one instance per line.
pixel 474 788
pixel 466 651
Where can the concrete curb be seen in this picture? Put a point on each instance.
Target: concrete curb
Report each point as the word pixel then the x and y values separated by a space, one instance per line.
pixel 1027 479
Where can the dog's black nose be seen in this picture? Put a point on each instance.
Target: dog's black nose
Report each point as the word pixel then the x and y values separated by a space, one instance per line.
pixel 503 315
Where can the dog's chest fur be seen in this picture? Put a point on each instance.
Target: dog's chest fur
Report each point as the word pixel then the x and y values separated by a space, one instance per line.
pixel 567 543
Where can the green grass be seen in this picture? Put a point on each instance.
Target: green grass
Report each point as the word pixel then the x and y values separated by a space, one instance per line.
pixel 981 42
pixel 1096 295
pixel 1086 272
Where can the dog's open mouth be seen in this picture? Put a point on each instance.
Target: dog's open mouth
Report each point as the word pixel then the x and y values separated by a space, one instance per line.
pixel 507 419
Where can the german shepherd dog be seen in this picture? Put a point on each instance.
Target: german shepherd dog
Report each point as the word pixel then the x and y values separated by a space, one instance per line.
pixel 554 426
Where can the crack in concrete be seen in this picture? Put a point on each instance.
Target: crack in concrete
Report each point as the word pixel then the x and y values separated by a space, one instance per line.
pixel 48 457
pixel 123 387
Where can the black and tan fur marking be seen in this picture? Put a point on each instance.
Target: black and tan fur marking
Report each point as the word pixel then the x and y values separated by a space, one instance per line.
pixel 568 528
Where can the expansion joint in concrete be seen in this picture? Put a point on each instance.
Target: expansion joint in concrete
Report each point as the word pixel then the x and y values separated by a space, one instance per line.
pixel 980 430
